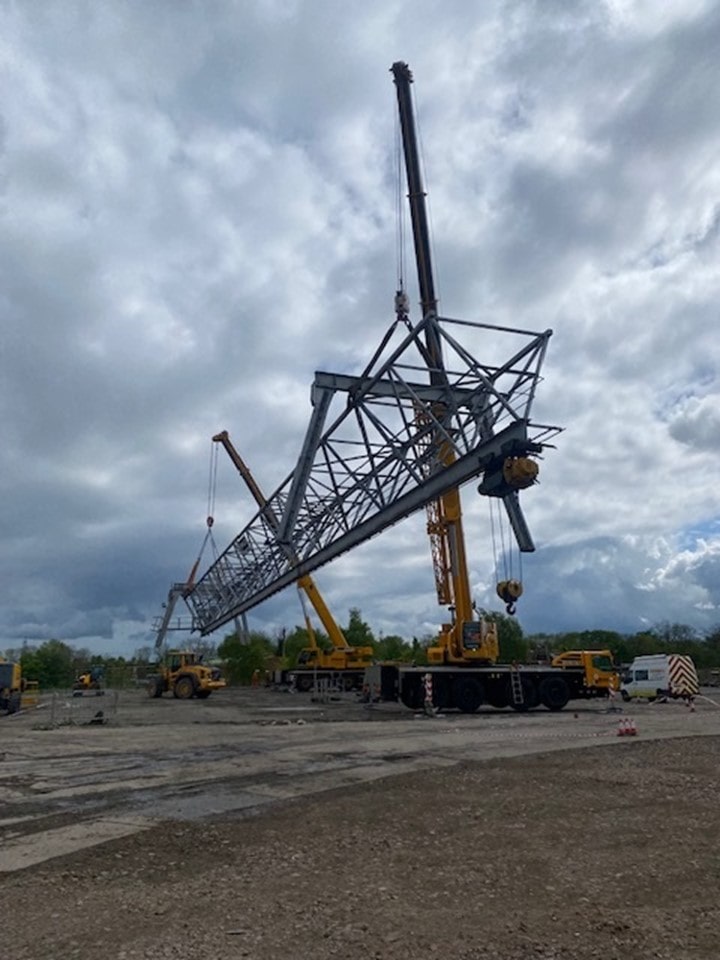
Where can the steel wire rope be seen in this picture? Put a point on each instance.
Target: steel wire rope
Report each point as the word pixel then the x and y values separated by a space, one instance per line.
pixel 210 519
pixel 212 481
pixel 506 553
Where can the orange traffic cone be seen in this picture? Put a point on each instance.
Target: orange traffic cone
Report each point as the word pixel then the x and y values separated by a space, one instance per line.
pixel 632 729
pixel 622 729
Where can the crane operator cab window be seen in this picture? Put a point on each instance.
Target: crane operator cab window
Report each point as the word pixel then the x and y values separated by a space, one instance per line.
pixel 602 662
pixel 472 634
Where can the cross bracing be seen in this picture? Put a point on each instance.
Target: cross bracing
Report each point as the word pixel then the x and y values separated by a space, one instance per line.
pixel 381 446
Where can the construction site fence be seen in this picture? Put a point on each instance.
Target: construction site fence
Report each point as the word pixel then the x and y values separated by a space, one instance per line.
pixel 30 695
pixel 64 709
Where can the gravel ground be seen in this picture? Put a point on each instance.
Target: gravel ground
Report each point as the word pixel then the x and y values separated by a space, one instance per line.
pixel 605 853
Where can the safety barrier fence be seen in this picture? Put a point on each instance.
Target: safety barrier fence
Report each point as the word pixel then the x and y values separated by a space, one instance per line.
pixel 69 710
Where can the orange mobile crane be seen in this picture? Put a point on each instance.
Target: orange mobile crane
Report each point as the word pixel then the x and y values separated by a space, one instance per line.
pixel 343 661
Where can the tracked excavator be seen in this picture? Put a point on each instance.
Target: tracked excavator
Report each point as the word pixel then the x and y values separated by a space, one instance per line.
pixel 343 661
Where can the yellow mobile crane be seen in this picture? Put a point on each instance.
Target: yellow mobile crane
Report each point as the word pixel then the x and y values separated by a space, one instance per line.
pixel 313 662
pixel 463 663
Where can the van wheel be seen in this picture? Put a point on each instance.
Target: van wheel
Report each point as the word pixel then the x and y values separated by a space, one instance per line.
pixel 625 695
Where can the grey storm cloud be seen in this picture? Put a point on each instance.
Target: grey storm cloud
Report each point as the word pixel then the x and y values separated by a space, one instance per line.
pixel 199 211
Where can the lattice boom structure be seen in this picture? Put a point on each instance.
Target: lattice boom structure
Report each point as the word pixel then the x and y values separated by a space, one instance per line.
pixel 406 432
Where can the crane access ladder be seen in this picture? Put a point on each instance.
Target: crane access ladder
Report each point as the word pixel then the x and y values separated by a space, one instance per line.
pixel 516 686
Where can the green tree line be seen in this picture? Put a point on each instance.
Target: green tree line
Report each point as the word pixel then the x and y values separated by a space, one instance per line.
pixel 55 664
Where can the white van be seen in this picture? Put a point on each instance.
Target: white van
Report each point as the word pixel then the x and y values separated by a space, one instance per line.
pixel 660 675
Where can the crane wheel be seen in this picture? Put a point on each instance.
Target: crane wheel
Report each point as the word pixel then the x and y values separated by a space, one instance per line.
pixel 412 693
pixel 554 693
pixel 184 688
pixel 467 693
pixel 497 696
pixel 530 696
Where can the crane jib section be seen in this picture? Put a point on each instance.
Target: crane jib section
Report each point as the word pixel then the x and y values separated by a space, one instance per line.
pixel 376 451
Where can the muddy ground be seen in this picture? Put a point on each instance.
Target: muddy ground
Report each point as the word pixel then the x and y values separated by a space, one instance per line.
pixel 264 826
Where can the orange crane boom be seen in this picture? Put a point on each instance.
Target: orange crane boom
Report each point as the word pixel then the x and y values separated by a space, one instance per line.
pixel 343 656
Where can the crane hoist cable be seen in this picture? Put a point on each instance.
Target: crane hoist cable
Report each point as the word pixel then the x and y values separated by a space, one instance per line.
pixel 210 519
pixel 508 584
pixel 212 483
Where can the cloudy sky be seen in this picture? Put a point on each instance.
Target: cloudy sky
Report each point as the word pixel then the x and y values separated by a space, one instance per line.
pixel 198 206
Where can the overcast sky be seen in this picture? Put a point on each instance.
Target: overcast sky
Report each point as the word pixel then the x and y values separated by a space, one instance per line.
pixel 198 206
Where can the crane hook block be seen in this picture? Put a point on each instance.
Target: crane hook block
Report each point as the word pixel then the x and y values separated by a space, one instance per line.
pixel 509 591
pixel 520 472
pixel 210 521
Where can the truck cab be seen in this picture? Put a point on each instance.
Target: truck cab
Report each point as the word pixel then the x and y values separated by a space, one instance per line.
pixel 598 667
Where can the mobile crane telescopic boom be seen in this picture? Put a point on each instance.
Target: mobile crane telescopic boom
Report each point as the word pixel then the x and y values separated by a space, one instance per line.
pixel 445 514
pixel 343 656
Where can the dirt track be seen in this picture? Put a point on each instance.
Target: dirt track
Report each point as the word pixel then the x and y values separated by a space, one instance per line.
pixel 372 834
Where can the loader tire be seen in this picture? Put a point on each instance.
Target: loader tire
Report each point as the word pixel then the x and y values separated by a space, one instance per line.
pixel 554 693
pixel 154 687
pixel 184 688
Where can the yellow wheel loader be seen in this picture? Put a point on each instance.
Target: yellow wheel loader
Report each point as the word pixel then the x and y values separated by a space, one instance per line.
pixel 11 686
pixel 90 682
pixel 184 673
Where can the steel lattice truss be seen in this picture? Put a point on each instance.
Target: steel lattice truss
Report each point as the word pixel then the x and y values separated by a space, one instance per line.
pixel 395 444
